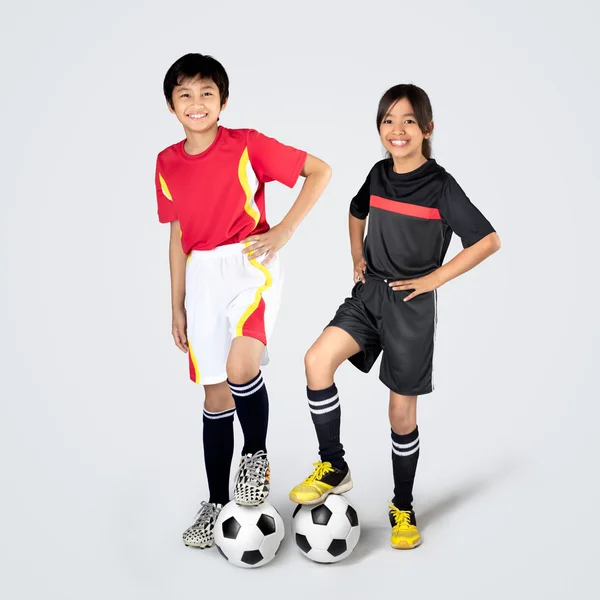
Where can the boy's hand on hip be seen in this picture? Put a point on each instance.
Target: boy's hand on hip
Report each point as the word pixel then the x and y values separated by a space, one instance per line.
pixel 268 243
pixel 421 285
pixel 360 266
pixel 179 330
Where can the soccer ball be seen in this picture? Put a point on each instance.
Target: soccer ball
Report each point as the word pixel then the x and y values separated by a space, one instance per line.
pixel 249 536
pixel 327 532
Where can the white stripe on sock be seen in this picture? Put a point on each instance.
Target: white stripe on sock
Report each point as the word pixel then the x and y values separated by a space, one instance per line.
pixel 322 402
pixel 405 446
pixel 322 411
pixel 398 453
pixel 242 388
pixel 261 384
pixel 219 412
pixel 219 415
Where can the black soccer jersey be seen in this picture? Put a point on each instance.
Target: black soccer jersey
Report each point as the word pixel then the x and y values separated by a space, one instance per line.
pixel 412 217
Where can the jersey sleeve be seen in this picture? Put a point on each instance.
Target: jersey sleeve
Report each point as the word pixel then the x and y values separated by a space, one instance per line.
pixel 360 204
pixel 461 215
pixel 166 208
pixel 274 161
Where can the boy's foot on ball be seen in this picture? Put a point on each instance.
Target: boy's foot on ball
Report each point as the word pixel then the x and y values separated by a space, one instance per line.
pixel 202 533
pixel 324 480
pixel 253 479
pixel 405 534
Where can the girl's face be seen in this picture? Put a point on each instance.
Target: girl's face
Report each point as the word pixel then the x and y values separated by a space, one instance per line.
pixel 400 133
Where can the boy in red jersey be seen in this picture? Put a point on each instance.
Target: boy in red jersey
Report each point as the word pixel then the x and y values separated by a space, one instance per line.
pixel 225 270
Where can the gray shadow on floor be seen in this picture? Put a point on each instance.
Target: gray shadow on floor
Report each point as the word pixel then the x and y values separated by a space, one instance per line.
pixel 464 492
pixel 372 537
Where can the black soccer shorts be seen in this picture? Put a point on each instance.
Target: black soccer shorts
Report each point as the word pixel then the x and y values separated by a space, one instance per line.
pixel 380 321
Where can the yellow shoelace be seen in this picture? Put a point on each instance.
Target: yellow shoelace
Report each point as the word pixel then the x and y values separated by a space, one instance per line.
pixel 321 468
pixel 402 517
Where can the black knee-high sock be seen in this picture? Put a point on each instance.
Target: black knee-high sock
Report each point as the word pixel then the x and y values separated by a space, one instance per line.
pixel 252 405
pixel 405 455
pixel 217 435
pixel 326 416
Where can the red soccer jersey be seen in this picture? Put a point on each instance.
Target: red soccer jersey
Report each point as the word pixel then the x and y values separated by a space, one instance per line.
pixel 218 196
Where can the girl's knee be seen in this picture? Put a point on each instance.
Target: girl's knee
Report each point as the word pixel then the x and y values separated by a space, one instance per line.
pixel 403 416
pixel 403 426
pixel 316 362
pixel 402 421
pixel 319 368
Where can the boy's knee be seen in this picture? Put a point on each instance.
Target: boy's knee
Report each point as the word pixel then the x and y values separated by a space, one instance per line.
pixel 218 398
pixel 239 372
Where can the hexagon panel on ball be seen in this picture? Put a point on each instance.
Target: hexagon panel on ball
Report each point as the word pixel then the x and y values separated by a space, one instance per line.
pixel 327 532
pixel 249 536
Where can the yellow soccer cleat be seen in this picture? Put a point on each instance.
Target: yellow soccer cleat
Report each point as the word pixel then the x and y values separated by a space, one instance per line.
pixel 324 480
pixel 405 534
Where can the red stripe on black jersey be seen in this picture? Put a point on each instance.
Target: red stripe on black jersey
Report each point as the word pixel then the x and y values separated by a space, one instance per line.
pixel 397 247
pixel 404 208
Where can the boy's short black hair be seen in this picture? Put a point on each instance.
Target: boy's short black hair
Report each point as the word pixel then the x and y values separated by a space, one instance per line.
pixel 196 66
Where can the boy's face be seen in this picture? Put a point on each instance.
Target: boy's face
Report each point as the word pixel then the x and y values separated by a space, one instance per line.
pixel 197 104
pixel 400 133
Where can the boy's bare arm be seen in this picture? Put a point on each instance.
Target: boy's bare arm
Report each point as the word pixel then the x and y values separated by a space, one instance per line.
pixel 318 174
pixel 177 262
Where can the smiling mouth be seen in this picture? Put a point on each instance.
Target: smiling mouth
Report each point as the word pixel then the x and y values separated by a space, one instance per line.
pixel 399 143
pixel 197 116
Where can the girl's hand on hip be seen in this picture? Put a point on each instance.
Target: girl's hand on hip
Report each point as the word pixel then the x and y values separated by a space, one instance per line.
pixel 360 266
pixel 421 285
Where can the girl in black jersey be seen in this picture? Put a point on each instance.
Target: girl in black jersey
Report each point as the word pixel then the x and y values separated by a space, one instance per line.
pixel 414 205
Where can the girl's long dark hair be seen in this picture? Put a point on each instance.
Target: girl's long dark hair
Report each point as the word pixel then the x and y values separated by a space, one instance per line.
pixel 421 107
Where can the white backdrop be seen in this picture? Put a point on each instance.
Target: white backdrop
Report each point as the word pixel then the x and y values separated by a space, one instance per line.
pixel 100 430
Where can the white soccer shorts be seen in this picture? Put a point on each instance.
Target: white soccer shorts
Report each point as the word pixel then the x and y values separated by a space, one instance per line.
pixel 227 296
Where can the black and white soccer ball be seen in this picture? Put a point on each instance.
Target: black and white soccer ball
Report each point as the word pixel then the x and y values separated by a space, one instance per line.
pixel 327 532
pixel 249 536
